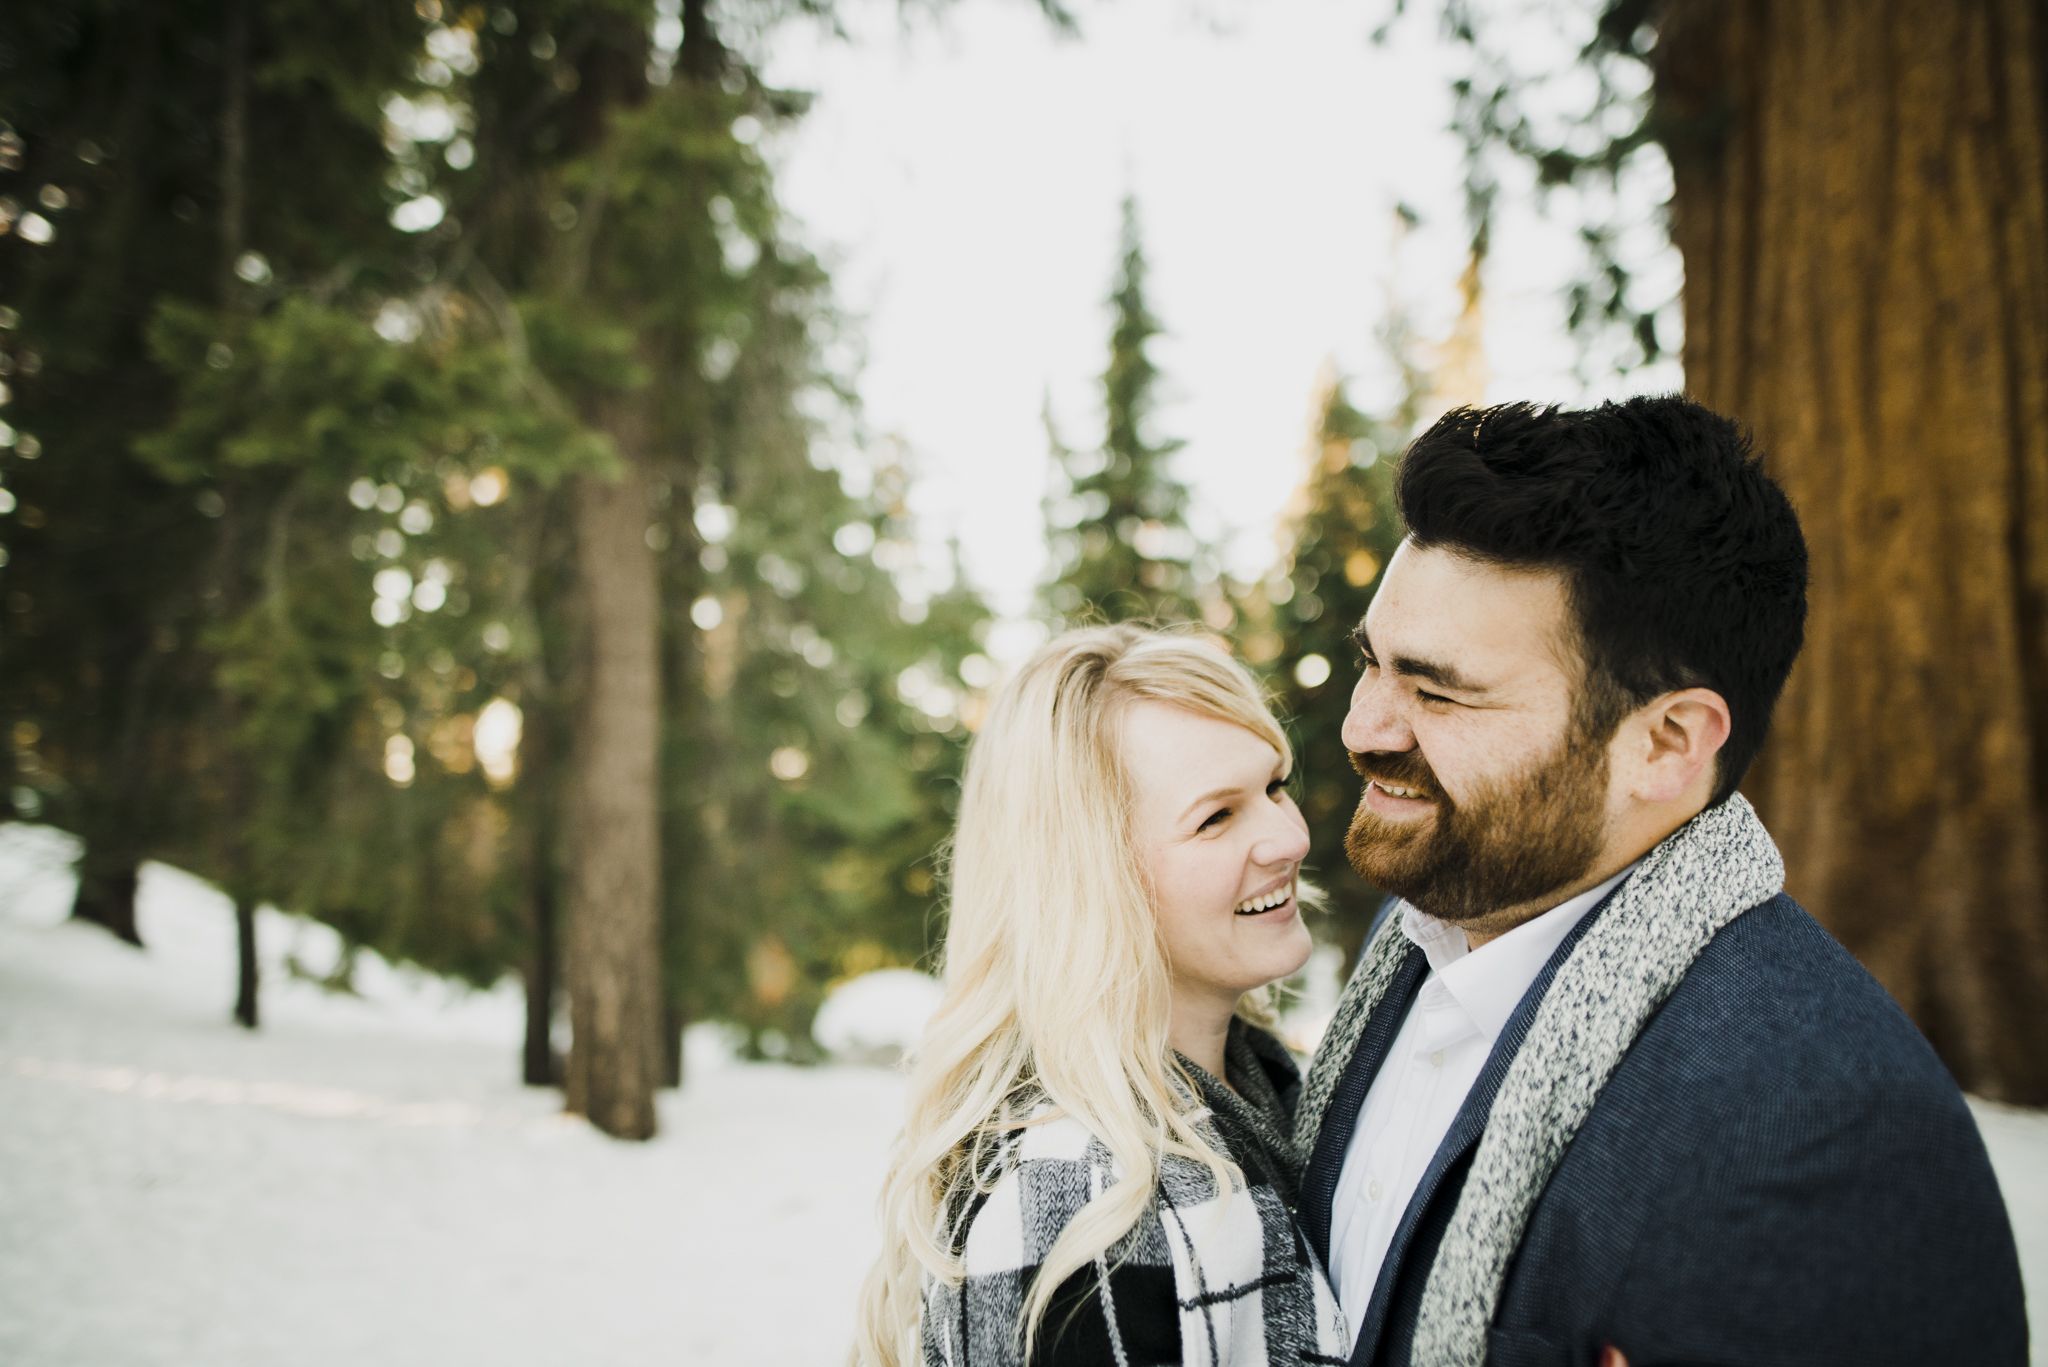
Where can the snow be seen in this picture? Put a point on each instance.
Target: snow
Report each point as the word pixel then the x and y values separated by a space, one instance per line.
pixel 365 1178
pixel 879 1014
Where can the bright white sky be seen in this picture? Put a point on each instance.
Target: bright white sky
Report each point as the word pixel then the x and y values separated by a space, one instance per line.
pixel 962 177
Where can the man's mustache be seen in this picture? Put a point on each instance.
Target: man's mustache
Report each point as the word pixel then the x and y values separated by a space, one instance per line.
pixel 1402 769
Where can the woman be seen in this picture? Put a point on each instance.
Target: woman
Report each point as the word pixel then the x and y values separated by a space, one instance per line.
pixel 1096 1166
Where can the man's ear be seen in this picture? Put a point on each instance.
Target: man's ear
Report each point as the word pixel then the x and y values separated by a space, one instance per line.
pixel 1674 741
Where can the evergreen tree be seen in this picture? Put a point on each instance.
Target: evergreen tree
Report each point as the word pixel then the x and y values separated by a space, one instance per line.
pixel 1117 524
pixel 835 718
pixel 1342 530
pixel 134 136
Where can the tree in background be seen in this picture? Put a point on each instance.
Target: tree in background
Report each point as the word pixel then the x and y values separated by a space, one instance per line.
pixel 1865 288
pixel 1342 528
pixel 1117 523
pixel 834 695
pixel 135 135
pixel 555 530
pixel 1857 194
pixel 674 315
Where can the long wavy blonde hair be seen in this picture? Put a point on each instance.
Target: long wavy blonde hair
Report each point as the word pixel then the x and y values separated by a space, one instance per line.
pixel 1056 981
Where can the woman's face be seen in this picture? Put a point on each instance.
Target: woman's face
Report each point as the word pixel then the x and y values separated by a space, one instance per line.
pixel 1221 843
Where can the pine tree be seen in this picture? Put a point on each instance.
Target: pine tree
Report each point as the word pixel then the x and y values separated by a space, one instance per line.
pixel 1118 522
pixel 134 136
pixel 1342 530
pixel 835 718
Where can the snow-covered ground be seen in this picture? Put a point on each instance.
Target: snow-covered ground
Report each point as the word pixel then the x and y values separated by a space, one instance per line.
pixel 365 1180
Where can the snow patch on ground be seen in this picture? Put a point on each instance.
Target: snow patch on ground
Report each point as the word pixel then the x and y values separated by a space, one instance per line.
pixel 364 1179
pixel 877 1016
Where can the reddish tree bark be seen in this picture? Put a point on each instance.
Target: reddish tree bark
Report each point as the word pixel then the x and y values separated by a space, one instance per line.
pixel 1860 202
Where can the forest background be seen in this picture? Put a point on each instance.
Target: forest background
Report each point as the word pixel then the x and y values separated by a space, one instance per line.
pixel 439 500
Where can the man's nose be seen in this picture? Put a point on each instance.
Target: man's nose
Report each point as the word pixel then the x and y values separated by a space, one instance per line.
pixel 1376 721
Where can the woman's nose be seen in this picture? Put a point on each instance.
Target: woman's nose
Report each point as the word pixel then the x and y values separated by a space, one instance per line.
pixel 1286 842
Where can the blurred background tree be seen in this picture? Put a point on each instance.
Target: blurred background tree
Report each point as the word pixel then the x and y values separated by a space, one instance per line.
pixel 1117 518
pixel 1342 529
pixel 134 134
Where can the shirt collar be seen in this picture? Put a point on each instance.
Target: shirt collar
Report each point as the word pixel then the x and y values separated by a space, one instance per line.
pixel 1489 982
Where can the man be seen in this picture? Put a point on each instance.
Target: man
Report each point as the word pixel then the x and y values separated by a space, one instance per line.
pixel 1599 1092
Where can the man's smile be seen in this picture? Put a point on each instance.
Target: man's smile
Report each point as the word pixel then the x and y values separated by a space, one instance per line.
pixel 1396 800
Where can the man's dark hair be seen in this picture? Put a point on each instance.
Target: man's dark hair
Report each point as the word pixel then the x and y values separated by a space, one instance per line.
pixel 1682 560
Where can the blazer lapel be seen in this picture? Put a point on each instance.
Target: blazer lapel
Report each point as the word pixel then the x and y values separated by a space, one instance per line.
pixel 1464 1133
pixel 1319 1180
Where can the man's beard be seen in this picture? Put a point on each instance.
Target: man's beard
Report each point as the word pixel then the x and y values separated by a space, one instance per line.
pixel 1512 842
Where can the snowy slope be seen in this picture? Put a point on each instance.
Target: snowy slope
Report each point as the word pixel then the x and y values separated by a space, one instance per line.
pixel 365 1181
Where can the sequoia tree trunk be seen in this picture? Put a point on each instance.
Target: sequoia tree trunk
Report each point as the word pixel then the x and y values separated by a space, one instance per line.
pixel 612 814
pixel 1861 206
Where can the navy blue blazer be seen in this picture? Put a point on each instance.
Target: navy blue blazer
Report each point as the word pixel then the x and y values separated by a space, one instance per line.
pixel 1779 1172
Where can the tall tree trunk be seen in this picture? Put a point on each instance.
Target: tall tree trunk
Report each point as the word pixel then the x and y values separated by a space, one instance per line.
pixel 540 1067
pixel 674 1019
pixel 1861 205
pixel 236 525
pixel 612 818
pixel 538 1064
pixel 247 978
pixel 106 893
pixel 234 145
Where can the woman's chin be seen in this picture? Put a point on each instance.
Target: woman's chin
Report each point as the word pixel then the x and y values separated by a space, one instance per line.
pixel 1278 946
pixel 1299 951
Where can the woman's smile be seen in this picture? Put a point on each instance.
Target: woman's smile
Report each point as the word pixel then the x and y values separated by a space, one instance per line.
pixel 1276 902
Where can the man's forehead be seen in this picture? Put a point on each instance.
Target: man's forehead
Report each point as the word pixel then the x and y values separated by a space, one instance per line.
pixel 1486 620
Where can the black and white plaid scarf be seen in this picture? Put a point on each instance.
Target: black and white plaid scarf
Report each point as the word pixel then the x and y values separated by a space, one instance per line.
pixel 1198 1280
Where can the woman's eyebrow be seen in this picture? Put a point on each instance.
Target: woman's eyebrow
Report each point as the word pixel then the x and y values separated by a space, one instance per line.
pixel 1229 790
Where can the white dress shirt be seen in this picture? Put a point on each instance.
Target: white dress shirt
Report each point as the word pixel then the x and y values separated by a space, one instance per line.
pixel 1461 1009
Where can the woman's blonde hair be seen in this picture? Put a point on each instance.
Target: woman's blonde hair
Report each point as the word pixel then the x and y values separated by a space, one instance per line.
pixel 1056 980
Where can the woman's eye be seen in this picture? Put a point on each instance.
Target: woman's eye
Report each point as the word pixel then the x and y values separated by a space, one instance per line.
pixel 1214 818
pixel 1276 788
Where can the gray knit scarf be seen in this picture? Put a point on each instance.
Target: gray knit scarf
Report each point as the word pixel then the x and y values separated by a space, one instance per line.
pixel 1708 872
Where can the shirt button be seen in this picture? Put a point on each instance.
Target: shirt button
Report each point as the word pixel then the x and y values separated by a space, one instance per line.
pixel 1372 1191
pixel 1436 1060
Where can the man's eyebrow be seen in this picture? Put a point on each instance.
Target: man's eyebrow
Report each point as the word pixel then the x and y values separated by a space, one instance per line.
pixel 1442 675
